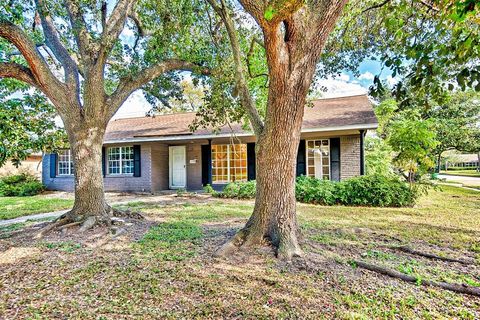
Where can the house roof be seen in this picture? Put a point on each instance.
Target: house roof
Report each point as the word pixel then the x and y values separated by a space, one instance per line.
pixel 333 114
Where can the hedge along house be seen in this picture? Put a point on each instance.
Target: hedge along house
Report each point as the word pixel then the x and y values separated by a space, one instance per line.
pixel 149 154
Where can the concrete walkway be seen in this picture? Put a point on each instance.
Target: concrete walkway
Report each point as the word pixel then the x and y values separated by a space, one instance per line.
pixel 164 199
pixel 465 181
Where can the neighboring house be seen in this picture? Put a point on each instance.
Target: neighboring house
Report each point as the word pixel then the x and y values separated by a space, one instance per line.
pixel 30 165
pixel 159 153
pixel 462 161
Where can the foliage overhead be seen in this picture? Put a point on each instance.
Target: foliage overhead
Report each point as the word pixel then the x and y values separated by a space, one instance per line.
pixel 430 45
pixel 27 123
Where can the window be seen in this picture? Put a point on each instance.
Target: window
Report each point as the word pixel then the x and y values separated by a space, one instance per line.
pixel 318 158
pixel 120 160
pixel 229 163
pixel 65 163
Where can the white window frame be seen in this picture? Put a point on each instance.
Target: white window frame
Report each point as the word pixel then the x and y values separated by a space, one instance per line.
pixel 329 162
pixel 69 162
pixel 229 150
pixel 120 161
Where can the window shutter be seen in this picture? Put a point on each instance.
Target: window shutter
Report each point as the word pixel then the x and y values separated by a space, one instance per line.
pixel 251 170
pixel 301 168
pixel 335 159
pixel 53 165
pixel 136 161
pixel 104 160
pixel 206 164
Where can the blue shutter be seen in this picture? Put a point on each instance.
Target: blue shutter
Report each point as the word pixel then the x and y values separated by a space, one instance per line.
pixel 206 164
pixel 251 173
pixel 53 165
pixel 104 160
pixel 301 167
pixel 137 172
pixel 335 159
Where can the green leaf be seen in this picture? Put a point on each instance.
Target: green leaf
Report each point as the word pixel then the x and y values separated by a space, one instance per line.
pixel 269 13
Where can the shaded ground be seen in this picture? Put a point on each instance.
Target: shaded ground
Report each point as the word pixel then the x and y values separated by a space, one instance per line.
pixel 163 267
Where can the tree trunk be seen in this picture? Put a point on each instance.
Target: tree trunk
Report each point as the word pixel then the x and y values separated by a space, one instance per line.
pixel 274 215
pixel 90 206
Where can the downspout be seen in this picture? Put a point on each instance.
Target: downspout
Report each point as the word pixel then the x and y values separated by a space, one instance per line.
pixel 362 152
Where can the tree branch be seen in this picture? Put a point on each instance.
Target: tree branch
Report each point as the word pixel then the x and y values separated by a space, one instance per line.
pixel 240 81
pixel 127 85
pixel 38 67
pixel 80 31
pixel 53 42
pixel 17 71
pixel 116 23
pixel 376 6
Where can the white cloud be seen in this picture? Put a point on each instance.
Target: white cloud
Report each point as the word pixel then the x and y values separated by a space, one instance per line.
pixel 135 106
pixel 340 87
pixel 366 76
pixel 391 80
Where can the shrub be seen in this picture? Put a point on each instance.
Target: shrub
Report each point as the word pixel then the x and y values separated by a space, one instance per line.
pixel 311 190
pixel 377 191
pixel 22 185
pixel 372 190
pixel 240 190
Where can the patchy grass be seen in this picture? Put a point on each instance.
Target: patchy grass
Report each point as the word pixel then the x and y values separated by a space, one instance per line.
pixel 168 271
pixel 13 207
pixel 466 173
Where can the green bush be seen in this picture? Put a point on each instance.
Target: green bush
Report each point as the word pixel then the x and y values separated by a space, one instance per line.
pixel 376 191
pixel 311 190
pixel 371 190
pixel 240 190
pixel 20 185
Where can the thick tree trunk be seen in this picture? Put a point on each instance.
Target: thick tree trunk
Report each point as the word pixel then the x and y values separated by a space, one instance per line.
pixel 274 217
pixel 90 206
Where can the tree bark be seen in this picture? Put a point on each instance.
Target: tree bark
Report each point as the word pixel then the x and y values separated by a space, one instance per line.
pixel 86 147
pixel 274 215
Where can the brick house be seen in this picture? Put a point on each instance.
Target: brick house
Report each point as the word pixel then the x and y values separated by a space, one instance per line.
pixel 159 153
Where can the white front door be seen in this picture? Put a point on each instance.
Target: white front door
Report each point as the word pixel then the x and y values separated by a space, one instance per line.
pixel 178 171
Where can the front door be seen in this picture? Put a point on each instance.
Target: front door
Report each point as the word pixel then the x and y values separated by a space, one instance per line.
pixel 178 171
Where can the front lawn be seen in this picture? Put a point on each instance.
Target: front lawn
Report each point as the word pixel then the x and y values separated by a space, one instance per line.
pixel 13 207
pixel 163 267
pixel 466 173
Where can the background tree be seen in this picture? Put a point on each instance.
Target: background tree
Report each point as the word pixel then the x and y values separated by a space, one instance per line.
pixel 27 123
pixel 456 123
pixel 76 55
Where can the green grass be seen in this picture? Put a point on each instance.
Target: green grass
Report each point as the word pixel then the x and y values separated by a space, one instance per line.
pixel 169 271
pixel 13 207
pixel 466 173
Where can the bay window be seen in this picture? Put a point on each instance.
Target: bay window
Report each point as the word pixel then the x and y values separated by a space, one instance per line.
pixel 229 163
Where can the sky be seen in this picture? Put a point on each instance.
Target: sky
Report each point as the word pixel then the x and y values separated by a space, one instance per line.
pixel 344 85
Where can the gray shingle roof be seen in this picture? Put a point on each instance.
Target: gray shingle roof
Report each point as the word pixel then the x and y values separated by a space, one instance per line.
pixel 354 112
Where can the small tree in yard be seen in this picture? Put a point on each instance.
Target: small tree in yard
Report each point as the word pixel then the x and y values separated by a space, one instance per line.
pixel 75 56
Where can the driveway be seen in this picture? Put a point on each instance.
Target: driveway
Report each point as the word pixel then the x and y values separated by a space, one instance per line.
pixel 466 181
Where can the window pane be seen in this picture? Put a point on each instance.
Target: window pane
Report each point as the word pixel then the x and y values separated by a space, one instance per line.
pixel 318 159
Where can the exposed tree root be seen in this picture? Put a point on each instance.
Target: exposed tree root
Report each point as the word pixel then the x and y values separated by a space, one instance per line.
pixel 71 219
pixel 455 287
pixel 431 255
pixel 244 240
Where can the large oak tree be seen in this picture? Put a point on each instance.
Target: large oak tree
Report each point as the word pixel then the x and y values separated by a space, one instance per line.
pixel 294 34
pixel 76 55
